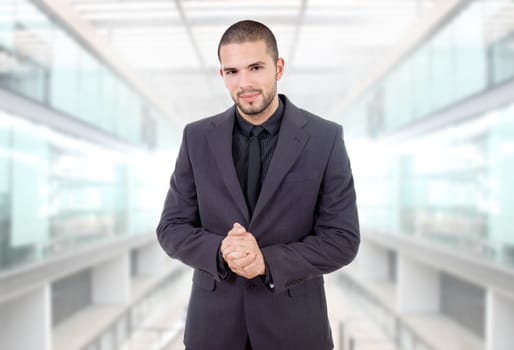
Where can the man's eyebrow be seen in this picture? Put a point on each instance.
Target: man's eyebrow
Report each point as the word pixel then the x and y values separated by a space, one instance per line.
pixel 259 63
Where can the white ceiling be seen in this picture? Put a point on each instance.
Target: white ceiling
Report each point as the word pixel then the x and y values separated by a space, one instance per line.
pixel 328 45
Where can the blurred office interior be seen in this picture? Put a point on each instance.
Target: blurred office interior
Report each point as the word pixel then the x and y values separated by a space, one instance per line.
pixel 93 98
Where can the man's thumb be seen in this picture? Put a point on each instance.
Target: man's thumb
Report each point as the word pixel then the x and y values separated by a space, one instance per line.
pixel 239 228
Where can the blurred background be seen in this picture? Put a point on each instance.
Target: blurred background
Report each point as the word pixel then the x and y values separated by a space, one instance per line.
pixel 93 98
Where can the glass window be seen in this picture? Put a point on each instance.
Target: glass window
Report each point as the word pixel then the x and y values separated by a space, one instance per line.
pixel 373 173
pixel 443 66
pixel 422 81
pixel 33 49
pixel 500 150
pixel 391 102
pixel 89 87
pixel 29 218
pixel 452 187
pixel 58 192
pixel 502 53
pixel 5 180
pixel 498 29
pixel 7 8
pixel 398 97
pixel 7 57
pixel 470 52
pixel 42 61
pixel 64 80
pixel 108 100
pixel 129 116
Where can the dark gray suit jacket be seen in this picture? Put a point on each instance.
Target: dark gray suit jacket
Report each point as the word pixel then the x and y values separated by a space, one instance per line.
pixel 305 222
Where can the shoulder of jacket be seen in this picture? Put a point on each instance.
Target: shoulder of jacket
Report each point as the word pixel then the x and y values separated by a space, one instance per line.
pixel 203 124
pixel 319 123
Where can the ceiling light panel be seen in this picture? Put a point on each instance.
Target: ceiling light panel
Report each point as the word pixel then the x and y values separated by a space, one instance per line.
pixel 338 43
pixel 371 3
pixel 246 4
pixel 156 48
pixel 107 6
pixel 127 10
pixel 224 13
pixel 137 16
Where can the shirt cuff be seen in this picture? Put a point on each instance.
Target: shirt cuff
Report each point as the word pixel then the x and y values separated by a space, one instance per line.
pixel 223 269
pixel 267 279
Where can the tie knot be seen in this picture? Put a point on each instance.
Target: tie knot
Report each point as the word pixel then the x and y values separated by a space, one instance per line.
pixel 256 131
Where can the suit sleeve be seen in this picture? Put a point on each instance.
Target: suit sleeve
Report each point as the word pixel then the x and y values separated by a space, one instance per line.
pixel 335 238
pixel 179 231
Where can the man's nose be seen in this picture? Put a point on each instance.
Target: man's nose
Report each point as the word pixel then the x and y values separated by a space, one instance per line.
pixel 245 81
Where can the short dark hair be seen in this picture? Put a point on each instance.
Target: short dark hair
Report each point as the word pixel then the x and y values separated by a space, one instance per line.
pixel 247 30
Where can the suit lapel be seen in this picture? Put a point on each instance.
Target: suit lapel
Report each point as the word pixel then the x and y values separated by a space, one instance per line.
pixel 291 140
pixel 220 141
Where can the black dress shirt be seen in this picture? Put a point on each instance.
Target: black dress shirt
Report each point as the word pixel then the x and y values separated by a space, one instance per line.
pixel 268 141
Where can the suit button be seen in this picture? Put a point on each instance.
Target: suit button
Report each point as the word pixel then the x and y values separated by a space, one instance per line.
pixel 250 285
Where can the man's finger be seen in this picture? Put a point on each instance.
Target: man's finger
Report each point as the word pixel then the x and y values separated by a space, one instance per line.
pixel 244 261
pixel 235 255
pixel 237 229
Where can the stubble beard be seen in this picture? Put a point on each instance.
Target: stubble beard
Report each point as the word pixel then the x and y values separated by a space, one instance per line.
pixel 253 110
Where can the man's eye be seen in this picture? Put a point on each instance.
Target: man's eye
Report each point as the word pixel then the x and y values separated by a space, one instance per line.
pixel 257 68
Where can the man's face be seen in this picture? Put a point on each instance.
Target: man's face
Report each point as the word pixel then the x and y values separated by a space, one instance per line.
pixel 250 75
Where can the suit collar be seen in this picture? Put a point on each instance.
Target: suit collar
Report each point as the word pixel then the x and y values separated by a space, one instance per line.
pixel 291 140
pixel 219 138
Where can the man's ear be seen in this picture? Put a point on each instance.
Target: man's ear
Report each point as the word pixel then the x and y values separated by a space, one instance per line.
pixel 221 72
pixel 280 67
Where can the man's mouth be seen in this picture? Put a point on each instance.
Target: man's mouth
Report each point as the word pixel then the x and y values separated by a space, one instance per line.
pixel 249 96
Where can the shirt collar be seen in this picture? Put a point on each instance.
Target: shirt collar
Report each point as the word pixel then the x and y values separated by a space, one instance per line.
pixel 272 125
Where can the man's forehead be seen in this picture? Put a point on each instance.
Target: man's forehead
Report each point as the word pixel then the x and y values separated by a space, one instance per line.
pixel 245 53
pixel 242 42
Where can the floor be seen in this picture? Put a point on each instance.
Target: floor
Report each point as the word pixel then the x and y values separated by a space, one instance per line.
pixel 351 329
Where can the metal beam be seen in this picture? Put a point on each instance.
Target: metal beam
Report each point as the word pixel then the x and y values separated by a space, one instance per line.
pixel 339 21
pixel 298 27
pixel 189 31
pixel 44 115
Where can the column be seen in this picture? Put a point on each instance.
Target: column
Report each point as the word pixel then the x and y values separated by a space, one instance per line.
pixel 111 281
pixel 25 322
pixel 151 261
pixel 374 262
pixel 499 321
pixel 418 286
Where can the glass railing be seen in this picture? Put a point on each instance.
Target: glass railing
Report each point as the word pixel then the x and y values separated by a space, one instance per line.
pixel 469 54
pixel 41 60
pixel 59 193
pixel 119 334
pixel 452 187
pixel 403 336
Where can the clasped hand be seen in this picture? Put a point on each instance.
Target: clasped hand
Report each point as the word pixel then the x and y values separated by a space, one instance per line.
pixel 242 253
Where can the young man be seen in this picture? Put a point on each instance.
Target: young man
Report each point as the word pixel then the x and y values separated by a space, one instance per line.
pixel 261 204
